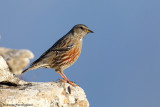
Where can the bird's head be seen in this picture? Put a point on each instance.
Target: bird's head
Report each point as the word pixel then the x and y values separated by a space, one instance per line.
pixel 81 30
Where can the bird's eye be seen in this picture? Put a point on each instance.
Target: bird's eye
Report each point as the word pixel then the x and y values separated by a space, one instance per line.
pixel 82 28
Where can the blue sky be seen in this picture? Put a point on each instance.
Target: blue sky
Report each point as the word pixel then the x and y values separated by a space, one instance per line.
pixel 119 63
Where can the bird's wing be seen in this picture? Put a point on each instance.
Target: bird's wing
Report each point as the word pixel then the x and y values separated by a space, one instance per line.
pixel 63 44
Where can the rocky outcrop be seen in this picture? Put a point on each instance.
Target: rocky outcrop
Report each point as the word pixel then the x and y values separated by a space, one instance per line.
pixel 52 94
pixel 6 76
pixel 16 92
pixel 17 60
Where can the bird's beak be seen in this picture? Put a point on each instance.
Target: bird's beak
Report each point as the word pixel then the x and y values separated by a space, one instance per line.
pixel 89 31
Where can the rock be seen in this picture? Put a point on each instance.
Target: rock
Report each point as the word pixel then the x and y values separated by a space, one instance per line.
pixel 51 94
pixel 6 76
pixel 15 92
pixel 17 60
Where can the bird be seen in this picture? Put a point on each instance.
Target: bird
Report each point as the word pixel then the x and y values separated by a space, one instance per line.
pixel 63 53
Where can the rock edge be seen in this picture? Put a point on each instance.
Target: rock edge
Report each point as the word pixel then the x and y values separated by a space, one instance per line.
pixel 16 92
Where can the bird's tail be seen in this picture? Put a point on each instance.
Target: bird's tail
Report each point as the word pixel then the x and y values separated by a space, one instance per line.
pixel 32 67
pixel 26 70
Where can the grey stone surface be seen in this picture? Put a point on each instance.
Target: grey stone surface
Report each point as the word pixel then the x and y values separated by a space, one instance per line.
pixel 6 75
pixel 37 94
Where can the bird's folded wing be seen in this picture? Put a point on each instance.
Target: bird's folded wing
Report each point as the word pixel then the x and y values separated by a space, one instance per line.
pixel 64 44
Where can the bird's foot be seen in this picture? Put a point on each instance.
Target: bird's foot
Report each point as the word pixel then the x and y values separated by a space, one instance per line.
pixel 72 83
pixel 62 80
pixel 67 81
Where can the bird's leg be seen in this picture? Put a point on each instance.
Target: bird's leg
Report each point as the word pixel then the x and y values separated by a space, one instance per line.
pixel 65 76
pixel 64 79
pixel 68 80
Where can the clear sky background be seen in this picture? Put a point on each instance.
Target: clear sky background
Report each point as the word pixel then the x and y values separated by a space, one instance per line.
pixel 120 63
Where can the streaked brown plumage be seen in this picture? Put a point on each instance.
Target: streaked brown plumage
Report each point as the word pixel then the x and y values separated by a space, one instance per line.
pixel 63 53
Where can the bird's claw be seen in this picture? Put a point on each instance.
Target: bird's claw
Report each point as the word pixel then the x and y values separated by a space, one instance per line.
pixel 67 81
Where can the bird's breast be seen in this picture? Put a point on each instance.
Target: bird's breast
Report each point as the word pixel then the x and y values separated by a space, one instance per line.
pixel 71 56
pixel 66 58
